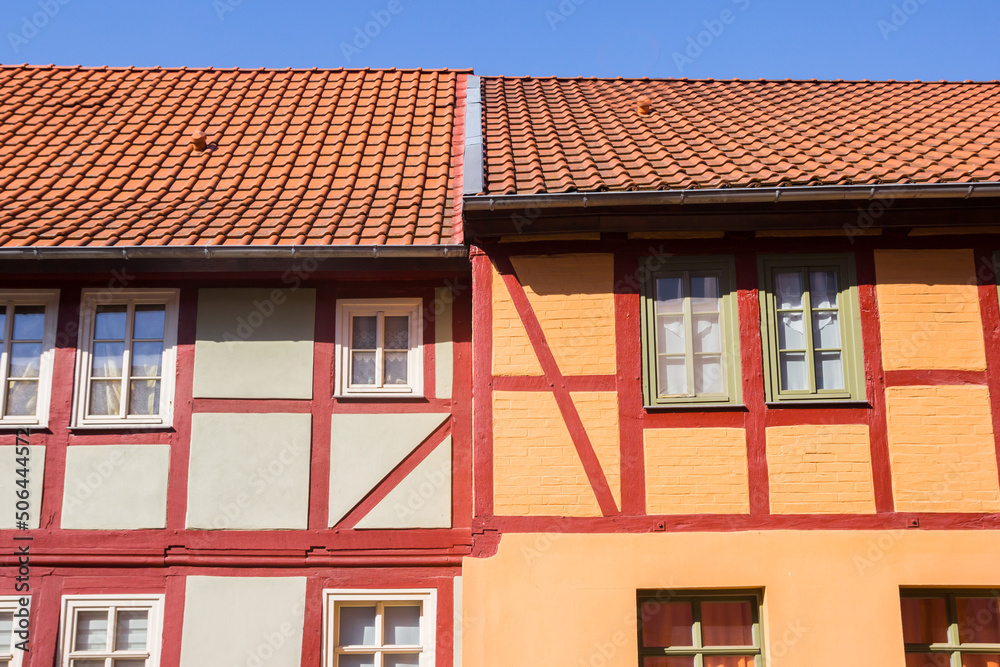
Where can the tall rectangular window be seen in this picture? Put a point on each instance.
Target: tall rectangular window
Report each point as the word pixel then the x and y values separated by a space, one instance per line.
pixel 811 328
pixel 27 348
pixel 699 629
pixel 690 340
pixel 951 628
pixel 103 631
pixel 380 628
pixel 10 655
pixel 127 357
pixel 379 347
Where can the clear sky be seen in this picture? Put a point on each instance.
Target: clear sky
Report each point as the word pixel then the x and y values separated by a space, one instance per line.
pixel 824 39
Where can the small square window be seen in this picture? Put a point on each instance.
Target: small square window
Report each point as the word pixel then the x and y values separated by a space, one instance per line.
pixel 103 631
pixel 380 628
pixel 27 347
pixel 947 628
pixel 688 628
pixel 690 339
pixel 811 328
pixel 126 359
pixel 10 654
pixel 379 348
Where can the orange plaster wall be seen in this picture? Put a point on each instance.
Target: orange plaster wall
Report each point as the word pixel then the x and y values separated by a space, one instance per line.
pixel 929 310
pixel 942 450
pixel 820 469
pixel 696 471
pixel 831 598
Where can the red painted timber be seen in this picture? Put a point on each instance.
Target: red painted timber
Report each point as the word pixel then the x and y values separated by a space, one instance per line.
pixel 482 391
pixel 629 387
pixel 910 378
pixel 989 307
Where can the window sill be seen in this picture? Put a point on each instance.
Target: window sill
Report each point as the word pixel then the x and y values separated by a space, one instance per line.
pixel 384 396
pixel 697 407
pixel 819 403
pixel 123 426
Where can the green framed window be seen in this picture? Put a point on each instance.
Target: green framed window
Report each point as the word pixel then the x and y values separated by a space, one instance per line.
pixel 699 629
pixel 810 328
pixel 690 342
pixel 951 628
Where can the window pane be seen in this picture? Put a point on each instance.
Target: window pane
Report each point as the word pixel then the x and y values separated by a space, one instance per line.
pixel 670 335
pixel 106 361
pixel 144 397
pixel 3 322
pixel 91 631
pixel 395 367
pixel 729 661
pixel 667 624
pixel 146 359
pixel 25 360
pixel 794 374
pixel 978 621
pixel 6 627
pixel 673 661
pixel 704 293
pixel 357 626
pixel 402 625
pixel 826 329
pixel 22 398
pixel 397 332
pixel 707 334
pixel 130 630
pixel 669 295
pixel 88 663
pixel 110 323
pixel 411 660
pixel 925 620
pixel 363 368
pixel 823 289
pixel 727 624
pixel 988 660
pixel 356 661
pixel 829 370
pixel 148 321
pixel 708 375
pixel 29 322
pixel 131 662
pixel 4 663
pixel 928 660
pixel 788 289
pixel 105 397
pixel 673 376
pixel 363 333
pixel 791 331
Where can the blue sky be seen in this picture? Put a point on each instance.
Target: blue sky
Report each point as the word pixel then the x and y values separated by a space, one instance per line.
pixel 849 39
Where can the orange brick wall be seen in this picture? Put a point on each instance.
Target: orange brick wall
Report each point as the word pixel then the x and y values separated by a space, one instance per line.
pixel 512 352
pixel 822 469
pixel 696 471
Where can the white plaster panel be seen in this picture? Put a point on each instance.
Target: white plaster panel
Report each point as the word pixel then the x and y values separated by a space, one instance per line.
pixel 421 500
pixel 443 343
pixel 249 471
pixel 366 448
pixel 243 621
pixel 9 488
pixel 254 343
pixel 116 487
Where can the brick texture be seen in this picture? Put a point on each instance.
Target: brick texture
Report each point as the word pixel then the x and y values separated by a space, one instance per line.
pixel 942 449
pixel 599 414
pixel 820 469
pixel 696 471
pixel 512 351
pixel 929 310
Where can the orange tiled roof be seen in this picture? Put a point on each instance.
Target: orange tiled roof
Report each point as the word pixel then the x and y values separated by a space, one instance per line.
pixel 105 157
pixel 548 135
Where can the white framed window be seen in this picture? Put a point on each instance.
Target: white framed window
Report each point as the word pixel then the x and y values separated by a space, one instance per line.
pixel 379 347
pixel 126 358
pixel 27 347
pixel 379 628
pixel 110 631
pixel 10 655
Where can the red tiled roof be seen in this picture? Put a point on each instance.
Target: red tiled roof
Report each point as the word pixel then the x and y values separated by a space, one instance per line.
pixel 548 135
pixel 104 157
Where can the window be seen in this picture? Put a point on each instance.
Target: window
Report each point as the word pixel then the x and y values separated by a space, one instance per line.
pixel 710 629
pixel 27 343
pixel 811 331
pixel 380 628
pixel 379 347
pixel 10 655
pixel 690 341
pixel 103 631
pixel 945 628
pixel 125 367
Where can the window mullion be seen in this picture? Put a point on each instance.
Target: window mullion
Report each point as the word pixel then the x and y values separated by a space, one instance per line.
pixel 379 348
pixel 688 317
pixel 807 325
pixel 8 333
pixel 126 360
